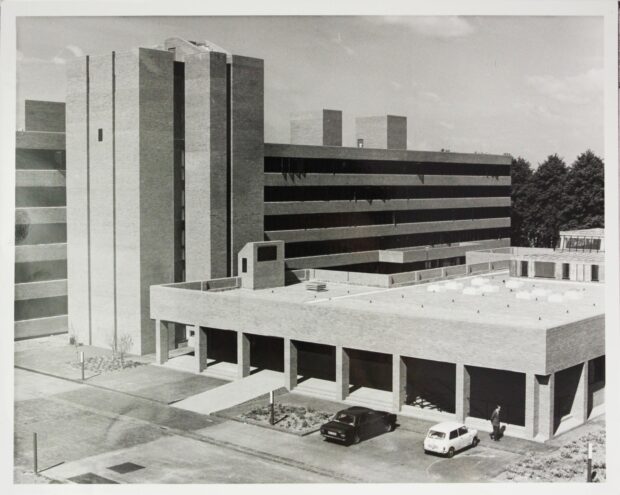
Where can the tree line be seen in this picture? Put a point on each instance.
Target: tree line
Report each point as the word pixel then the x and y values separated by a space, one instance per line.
pixel 555 197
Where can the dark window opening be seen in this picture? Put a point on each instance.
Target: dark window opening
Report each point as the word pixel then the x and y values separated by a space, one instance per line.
pixel 244 265
pixel 100 135
pixel 594 273
pixel 524 268
pixel 317 248
pixel 267 253
pixel 327 220
pixel 301 166
pixel 379 193
pixel 565 271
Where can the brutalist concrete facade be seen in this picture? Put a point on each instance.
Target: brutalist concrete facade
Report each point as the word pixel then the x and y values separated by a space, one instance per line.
pixel 169 178
pixel 40 222
pixel 120 193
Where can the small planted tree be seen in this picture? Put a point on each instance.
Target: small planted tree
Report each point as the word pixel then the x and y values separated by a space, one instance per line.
pixel 124 346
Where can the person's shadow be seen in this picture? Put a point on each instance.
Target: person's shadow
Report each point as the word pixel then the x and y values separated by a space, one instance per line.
pixel 502 429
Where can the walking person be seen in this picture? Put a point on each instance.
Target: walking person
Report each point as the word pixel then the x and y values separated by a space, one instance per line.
pixel 496 423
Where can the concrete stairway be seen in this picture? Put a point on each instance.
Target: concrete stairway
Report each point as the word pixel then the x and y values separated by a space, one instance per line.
pixel 233 393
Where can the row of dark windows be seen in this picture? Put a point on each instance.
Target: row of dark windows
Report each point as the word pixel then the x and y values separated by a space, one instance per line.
pixel 326 220
pixel 379 193
pixel 391 268
pixel 317 248
pixel 301 166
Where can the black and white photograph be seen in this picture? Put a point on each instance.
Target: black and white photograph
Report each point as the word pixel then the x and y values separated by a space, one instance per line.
pixel 253 247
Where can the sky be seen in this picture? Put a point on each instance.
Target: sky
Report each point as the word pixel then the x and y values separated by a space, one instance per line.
pixel 528 86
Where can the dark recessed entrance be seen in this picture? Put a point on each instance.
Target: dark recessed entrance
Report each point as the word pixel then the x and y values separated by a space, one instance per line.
pixel 266 353
pixel 490 387
pixel 370 369
pixel 431 384
pixel 316 361
pixel 222 345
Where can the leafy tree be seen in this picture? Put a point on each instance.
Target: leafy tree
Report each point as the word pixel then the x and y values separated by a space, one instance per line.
pixel 521 201
pixel 585 193
pixel 548 201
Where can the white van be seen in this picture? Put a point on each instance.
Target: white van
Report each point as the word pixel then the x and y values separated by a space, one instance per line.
pixel 449 437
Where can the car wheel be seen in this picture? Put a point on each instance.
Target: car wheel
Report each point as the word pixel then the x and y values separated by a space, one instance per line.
pixel 389 427
pixel 356 438
pixel 451 452
pixel 475 441
pixel 426 451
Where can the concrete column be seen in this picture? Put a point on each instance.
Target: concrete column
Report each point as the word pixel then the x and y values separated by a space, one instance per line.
pixel 243 355
pixel 161 341
pixel 200 348
pixel 399 382
pixel 342 373
pixel 580 404
pixel 546 397
pixel 462 392
pixel 290 364
pixel 531 269
pixel 531 405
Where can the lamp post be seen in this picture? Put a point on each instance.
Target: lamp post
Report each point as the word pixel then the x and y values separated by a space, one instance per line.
pixel 271 408
pixel 589 473
pixel 82 363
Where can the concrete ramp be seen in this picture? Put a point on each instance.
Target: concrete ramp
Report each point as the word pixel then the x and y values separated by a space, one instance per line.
pixel 233 393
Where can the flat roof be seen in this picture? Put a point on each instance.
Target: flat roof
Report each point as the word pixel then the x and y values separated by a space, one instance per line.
pixel 349 153
pixel 492 299
pixel 596 232
pixel 564 256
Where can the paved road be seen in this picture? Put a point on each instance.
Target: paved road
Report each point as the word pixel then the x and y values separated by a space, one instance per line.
pixel 90 429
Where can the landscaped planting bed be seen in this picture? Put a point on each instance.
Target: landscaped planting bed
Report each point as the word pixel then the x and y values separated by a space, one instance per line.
pixel 105 364
pixel 294 419
pixel 568 463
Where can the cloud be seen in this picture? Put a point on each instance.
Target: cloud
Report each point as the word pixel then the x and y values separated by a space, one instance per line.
pixel 338 41
pixel 581 88
pixel 60 58
pixel 434 27
pixel 67 53
pixel 446 125
pixel 429 96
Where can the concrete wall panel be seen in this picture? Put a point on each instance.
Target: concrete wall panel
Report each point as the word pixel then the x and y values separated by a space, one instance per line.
pixel 77 249
pixel 156 181
pixel 205 166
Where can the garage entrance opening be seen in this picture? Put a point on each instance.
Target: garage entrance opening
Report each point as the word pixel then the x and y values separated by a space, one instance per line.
pixel 431 384
pixel 370 369
pixel 266 353
pixel 490 387
pixel 316 361
pixel 596 383
pixel 221 345
pixel 566 384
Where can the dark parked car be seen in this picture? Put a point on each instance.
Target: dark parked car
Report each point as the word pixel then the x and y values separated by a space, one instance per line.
pixel 355 423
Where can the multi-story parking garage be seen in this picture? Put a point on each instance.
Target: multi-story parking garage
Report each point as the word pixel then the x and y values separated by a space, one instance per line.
pixel 453 348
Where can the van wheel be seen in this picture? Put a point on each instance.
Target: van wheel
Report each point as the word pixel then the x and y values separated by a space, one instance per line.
pixel 356 438
pixel 451 452
pixel 389 427
pixel 475 441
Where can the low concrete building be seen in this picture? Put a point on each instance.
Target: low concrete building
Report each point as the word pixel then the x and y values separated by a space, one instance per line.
pixel 446 350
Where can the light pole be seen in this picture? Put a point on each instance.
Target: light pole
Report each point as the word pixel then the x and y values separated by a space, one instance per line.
pixel 271 408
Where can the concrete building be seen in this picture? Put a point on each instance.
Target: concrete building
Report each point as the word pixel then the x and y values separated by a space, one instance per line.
pixel 447 350
pixel 169 178
pixel 40 222
pixel 580 256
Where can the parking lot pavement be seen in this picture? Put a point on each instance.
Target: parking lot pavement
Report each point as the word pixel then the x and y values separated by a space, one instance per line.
pixel 392 457
pixel 174 459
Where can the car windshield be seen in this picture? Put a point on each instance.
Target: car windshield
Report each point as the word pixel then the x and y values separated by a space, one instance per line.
pixel 436 434
pixel 345 418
